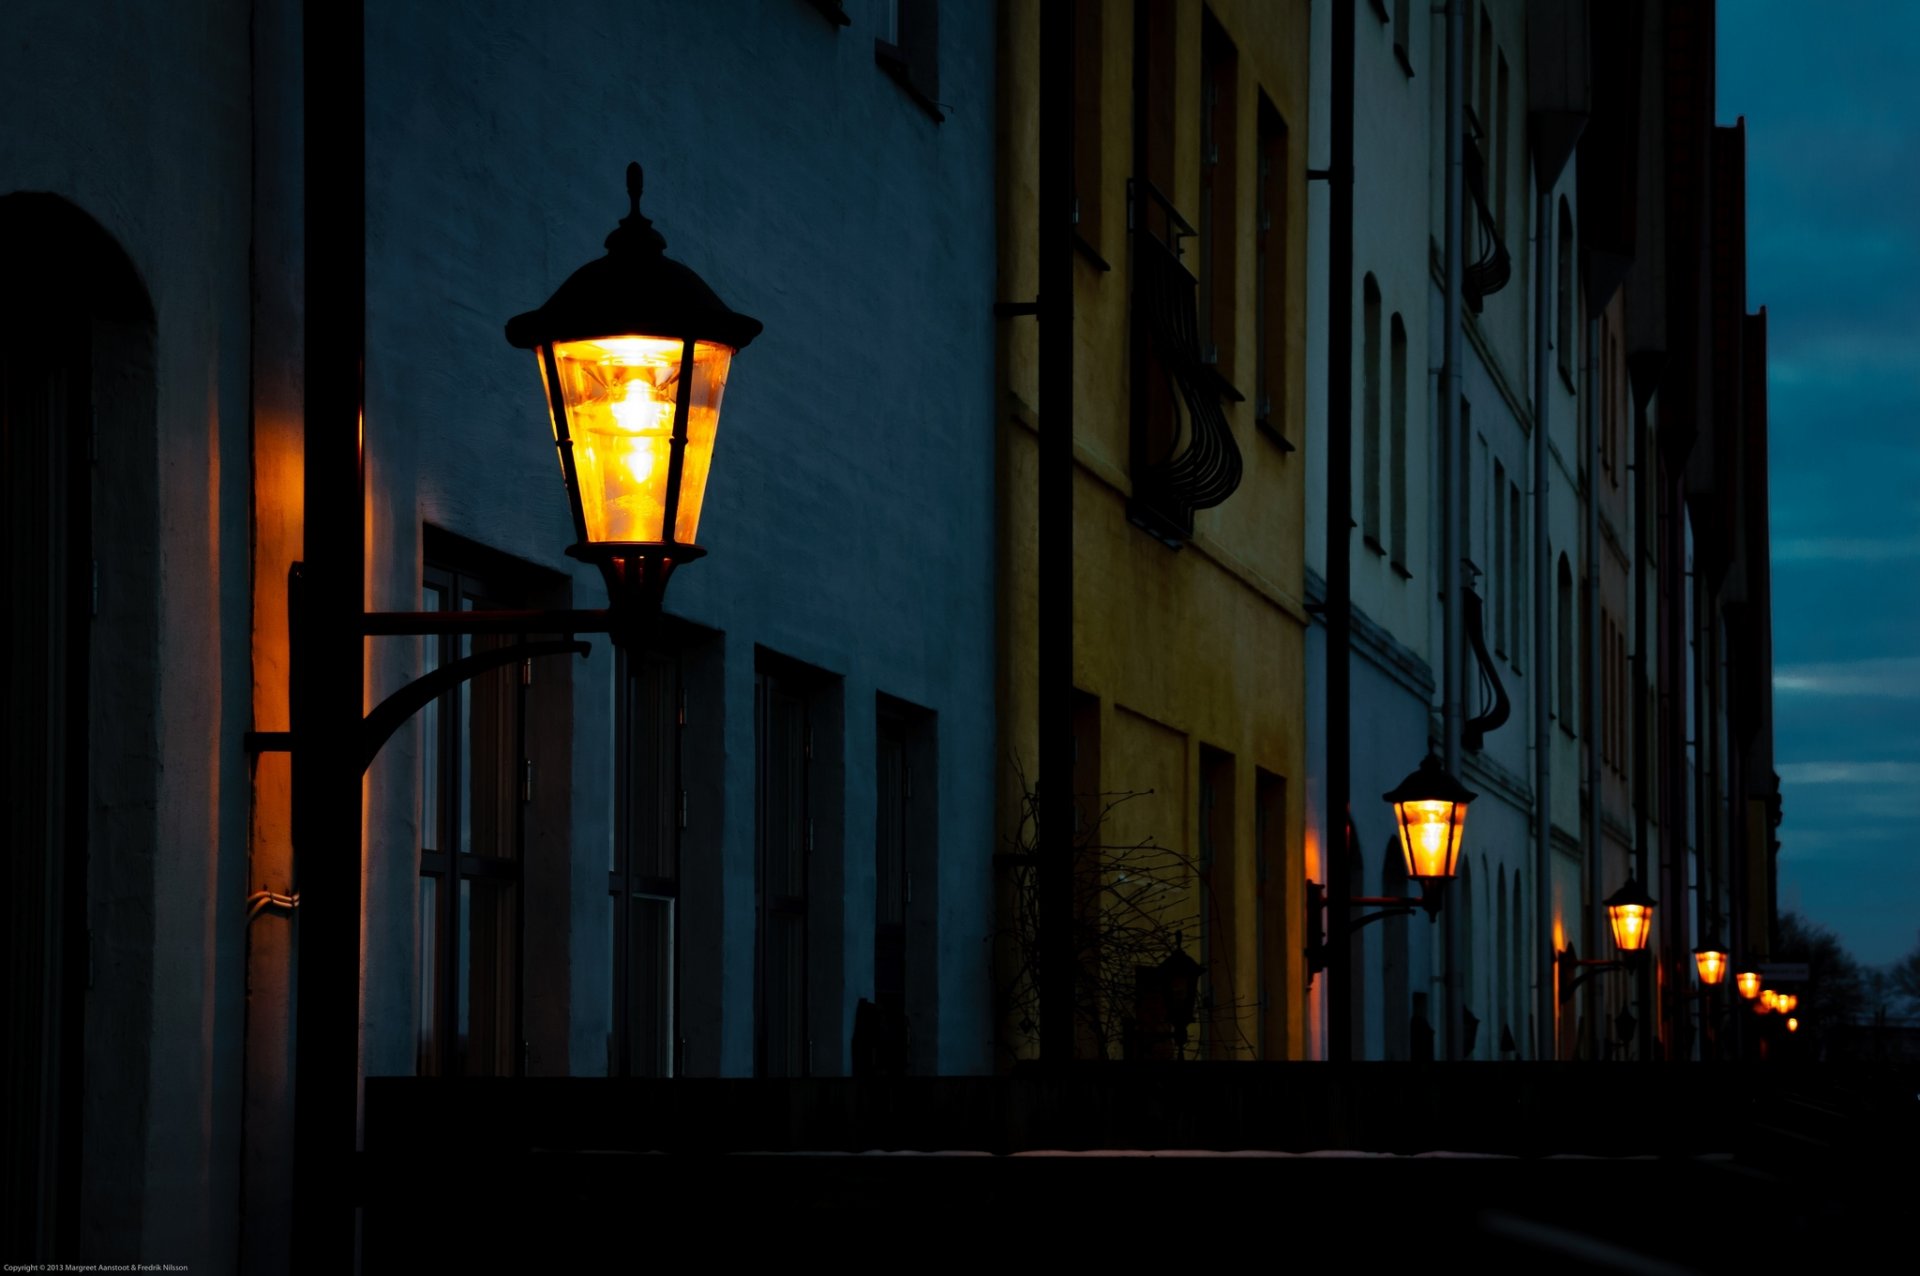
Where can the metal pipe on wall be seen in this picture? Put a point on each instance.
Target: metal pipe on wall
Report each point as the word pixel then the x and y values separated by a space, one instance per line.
pixel 1054 639
pixel 1592 734
pixel 1339 707
pixel 326 601
pixel 1545 663
pixel 1643 387
pixel 1453 469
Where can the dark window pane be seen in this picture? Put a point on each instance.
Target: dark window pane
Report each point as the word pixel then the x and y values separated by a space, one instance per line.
pixel 428 1063
pixel 488 965
pixel 651 980
pixel 785 995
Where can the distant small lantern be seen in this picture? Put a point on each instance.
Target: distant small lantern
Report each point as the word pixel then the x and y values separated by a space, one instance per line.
pixel 1793 1025
pixel 1180 986
pixel 1430 807
pixel 634 351
pixel 1764 1006
pixel 1784 1002
pixel 1630 914
pixel 1711 960
pixel 1748 982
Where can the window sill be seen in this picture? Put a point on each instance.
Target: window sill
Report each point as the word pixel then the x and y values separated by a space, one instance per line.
pixel 1400 569
pixel 832 11
pixel 1091 253
pixel 1566 379
pixel 1273 434
pixel 1373 544
pixel 892 59
pixel 1400 54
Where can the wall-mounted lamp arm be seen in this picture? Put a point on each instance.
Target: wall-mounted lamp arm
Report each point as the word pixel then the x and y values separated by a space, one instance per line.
pixel 1320 943
pixel 1588 967
pixel 390 713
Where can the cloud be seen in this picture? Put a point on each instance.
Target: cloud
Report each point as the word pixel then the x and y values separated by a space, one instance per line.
pixel 1891 774
pixel 1897 677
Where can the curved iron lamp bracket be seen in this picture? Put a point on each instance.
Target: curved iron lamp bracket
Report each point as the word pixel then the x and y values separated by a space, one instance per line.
pixel 1320 943
pixel 390 714
pixel 1588 967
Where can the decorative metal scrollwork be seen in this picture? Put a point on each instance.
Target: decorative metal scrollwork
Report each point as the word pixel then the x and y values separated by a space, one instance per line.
pixel 1202 466
pixel 1495 707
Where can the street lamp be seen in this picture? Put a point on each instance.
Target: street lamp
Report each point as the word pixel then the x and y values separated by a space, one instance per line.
pixel 1784 1002
pixel 1630 918
pixel 1430 811
pixel 634 350
pixel 1748 982
pixel 1630 914
pixel 1793 1025
pixel 1711 961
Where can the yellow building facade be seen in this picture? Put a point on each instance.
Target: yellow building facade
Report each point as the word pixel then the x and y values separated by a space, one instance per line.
pixel 1189 622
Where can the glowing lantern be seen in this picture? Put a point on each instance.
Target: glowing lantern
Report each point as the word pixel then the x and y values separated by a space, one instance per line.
pixel 1784 1002
pixel 1765 1005
pixel 1630 914
pixel 1793 1025
pixel 1711 960
pixel 634 350
pixel 1748 982
pixel 1430 807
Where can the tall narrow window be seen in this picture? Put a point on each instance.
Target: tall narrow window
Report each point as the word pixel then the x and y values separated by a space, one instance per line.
pixel 1270 922
pixel 1219 114
pixel 1220 1010
pixel 1568 337
pixel 1088 136
pixel 1497 574
pixel 477 778
pixel 1397 444
pixel 1270 276
pixel 1370 413
pixel 1516 572
pixel 908 49
pixel 1565 618
pixel 644 881
pixel 784 743
pixel 1501 109
pixel 905 826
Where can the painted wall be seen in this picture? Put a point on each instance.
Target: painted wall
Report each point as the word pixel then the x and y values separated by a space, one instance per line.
pixel 1200 646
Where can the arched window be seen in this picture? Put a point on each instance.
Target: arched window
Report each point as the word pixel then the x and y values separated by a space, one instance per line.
pixel 1565 620
pixel 1370 413
pixel 1397 444
pixel 1568 337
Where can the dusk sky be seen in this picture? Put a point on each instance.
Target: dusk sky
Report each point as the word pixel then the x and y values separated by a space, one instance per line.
pixel 1833 226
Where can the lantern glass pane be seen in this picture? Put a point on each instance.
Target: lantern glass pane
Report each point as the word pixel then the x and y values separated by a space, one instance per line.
pixel 1632 924
pixel 621 394
pixel 1713 966
pixel 1430 836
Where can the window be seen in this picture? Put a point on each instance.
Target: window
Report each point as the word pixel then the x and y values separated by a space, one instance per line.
pixel 1566 334
pixel 1269 916
pixel 479 773
pixel 1270 275
pixel 1497 577
pixel 1517 574
pixel 1501 109
pixel 908 49
pixel 1219 1008
pixel 644 872
pixel 1370 413
pixel 1403 35
pixel 783 745
pixel 1088 137
pixel 1565 617
pixel 905 827
pixel 1397 445
pixel 1219 136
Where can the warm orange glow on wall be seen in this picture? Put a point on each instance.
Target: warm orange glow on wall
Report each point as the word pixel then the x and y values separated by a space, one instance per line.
pixel 621 396
pixel 1712 964
pixel 1748 982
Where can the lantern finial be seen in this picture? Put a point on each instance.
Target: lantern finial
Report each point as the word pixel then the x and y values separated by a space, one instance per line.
pixel 635 233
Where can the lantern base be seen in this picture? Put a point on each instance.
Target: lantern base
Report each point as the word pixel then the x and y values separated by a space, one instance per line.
pixel 636 574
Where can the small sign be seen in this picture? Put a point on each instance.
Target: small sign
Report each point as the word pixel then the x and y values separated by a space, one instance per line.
pixel 1785 971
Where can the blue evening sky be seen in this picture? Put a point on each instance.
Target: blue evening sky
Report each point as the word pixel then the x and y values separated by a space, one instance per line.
pixel 1833 244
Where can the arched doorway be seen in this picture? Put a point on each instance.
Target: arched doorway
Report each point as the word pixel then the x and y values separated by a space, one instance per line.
pixel 76 357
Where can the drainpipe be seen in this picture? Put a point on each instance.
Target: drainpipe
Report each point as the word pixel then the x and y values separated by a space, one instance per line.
pixel 1643 384
pixel 326 605
pixel 1546 1011
pixel 1055 575
pixel 1453 505
pixel 1596 655
pixel 1340 536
